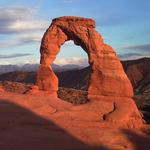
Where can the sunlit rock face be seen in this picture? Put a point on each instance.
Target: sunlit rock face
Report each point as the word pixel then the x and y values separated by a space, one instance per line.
pixel 108 84
pixel 107 75
pixel 1 89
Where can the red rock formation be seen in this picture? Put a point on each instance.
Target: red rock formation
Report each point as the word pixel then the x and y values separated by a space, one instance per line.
pixel 1 89
pixel 107 76
pixel 107 80
pixel 138 72
pixel 47 80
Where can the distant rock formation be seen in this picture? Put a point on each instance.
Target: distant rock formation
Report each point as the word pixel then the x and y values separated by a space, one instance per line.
pixel 138 72
pixel 108 81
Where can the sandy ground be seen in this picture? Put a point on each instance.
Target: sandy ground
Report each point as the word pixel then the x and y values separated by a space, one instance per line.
pixel 42 122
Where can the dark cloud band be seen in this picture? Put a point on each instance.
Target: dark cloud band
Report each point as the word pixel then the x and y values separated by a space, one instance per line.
pixel 129 55
pixel 142 48
pixel 3 56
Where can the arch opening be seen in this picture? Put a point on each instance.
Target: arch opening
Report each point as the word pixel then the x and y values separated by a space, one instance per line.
pixel 73 75
pixel 70 54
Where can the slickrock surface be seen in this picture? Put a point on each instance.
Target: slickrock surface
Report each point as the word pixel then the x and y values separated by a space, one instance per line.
pixel 40 121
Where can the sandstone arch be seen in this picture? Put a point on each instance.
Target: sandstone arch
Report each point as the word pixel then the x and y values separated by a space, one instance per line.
pixel 108 83
pixel 107 75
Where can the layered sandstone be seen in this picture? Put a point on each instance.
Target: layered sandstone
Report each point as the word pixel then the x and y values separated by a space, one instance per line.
pixel 108 82
pixel 107 75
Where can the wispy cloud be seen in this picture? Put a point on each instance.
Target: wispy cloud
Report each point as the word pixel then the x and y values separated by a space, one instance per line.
pixel 20 19
pixel 73 60
pixel 21 40
pixel 22 24
pixel 6 56
pixel 142 48
pixel 130 56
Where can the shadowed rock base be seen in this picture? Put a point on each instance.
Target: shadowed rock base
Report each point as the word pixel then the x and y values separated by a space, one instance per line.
pixel 29 122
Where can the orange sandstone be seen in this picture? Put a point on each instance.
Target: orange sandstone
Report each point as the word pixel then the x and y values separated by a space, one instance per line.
pixel 107 75
pixel 1 89
pixel 107 79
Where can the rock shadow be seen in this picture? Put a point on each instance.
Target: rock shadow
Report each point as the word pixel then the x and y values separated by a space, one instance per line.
pixel 21 129
pixel 140 141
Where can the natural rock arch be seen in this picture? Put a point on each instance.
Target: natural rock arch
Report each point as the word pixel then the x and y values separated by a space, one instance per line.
pixel 107 76
pixel 109 88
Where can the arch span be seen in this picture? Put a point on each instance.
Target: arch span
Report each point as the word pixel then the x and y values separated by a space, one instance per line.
pixel 107 76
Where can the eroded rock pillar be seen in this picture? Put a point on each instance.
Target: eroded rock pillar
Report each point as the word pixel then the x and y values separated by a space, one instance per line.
pixel 47 80
pixel 52 40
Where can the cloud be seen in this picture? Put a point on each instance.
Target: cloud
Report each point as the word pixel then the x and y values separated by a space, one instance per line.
pixel 136 51
pixel 20 19
pixel 130 56
pixel 21 40
pixel 142 48
pixel 6 56
pixel 74 60
pixel 21 24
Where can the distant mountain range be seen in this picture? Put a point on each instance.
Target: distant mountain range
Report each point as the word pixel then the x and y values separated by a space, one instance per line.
pixel 74 76
pixel 34 67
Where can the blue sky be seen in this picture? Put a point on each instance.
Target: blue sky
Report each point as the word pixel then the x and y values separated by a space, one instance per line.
pixel 124 24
